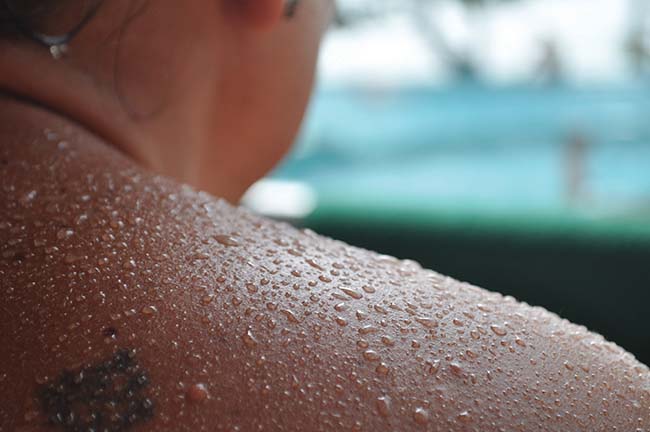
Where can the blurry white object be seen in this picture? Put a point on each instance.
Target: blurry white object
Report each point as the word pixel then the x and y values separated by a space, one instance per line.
pixel 280 199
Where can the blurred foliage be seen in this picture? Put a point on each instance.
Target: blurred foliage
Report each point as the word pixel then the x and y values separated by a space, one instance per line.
pixel 460 62
pixel 351 12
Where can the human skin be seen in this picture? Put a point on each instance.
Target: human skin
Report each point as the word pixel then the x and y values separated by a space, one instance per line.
pixel 208 92
pixel 283 329
pixel 235 322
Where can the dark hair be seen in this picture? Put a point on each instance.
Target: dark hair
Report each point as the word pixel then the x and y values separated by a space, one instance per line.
pixel 33 19
pixel 7 26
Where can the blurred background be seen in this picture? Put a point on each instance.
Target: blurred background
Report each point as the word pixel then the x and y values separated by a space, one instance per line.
pixel 502 142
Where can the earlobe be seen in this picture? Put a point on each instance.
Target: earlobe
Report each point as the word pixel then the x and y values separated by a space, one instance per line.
pixel 261 14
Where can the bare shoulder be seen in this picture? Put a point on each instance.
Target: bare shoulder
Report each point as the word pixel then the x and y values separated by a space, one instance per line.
pixel 129 301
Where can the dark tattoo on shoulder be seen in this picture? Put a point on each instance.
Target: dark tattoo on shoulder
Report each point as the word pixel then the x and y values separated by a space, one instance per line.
pixel 108 397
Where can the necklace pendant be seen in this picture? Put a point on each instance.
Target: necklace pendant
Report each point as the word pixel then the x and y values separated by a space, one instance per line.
pixel 58 51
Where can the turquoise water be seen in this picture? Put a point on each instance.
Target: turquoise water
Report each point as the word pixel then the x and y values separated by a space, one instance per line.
pixel 483 149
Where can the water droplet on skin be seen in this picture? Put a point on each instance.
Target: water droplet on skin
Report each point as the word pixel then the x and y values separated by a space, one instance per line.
pixel 568 366
pixel 291 317
pixel 499 331
pixel 469 315
pixel 456 369
pixel 387 340
pixel 199 256
pixel 340 307
pixel 110 333
pixel 352 293
pixel 371 355
pixel 380 309
pixel 251 288
pixel 458 323
pixel 341 321
pixel 383 406
pixel 64 233
pixel 433 366
pixel 78 378
pixel 197 393
pixel 367 329
pixel 116 224
pixel 427 322
pixel 520 342
pixel 249 339
pixel 314 264
pixel 464 417
pixel 382 369
pixel 421 416
pixel 226 240
pixel 361 315
pixel 28 198
pixel 369 289
pixel 207 299
pixel 149 310
pixel 81 219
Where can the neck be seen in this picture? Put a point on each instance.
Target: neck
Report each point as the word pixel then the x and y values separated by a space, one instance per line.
pixel 150 133
pixel 31 76
pixel 162 143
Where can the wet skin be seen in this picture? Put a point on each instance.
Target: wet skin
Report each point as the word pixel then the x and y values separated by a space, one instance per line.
pixel 130 302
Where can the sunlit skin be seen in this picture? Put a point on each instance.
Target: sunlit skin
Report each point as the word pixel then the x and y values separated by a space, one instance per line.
pixel 215 319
